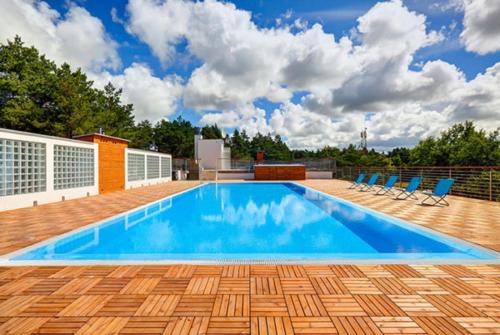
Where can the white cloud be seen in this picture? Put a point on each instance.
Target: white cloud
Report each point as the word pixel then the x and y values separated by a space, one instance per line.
pixel 481 32
pixel 78 38
pixel 370 71
pixel 153 98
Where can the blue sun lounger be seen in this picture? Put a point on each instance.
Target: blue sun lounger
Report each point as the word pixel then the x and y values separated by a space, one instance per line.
pixel 409 191
pixel 440 191
pixel 365 187
pixel 358 181
pixel 389 185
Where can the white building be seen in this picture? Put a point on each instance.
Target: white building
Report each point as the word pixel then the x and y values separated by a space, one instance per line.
pixel 211 154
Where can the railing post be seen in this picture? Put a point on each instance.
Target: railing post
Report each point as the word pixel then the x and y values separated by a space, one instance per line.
pixel 449 176
pixel 400 178
pixel 422 176
pixel 491 184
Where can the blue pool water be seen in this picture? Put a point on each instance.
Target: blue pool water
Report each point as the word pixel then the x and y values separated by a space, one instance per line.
pixel 252 221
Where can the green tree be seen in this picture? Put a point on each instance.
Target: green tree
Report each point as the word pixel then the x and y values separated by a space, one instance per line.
pixel 38 96
pixel 176 137
pixel 142 136
pixel 211 132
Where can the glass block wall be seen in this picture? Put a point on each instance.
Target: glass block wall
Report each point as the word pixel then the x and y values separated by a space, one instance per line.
pixel 166 170
pixel 22 167
pixel 153 167
pixel 73 167
pixel 135 167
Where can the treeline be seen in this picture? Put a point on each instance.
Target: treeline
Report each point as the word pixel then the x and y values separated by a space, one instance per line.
pixel 36 95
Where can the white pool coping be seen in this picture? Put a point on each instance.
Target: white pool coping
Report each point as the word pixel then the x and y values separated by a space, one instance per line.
pixel 6 259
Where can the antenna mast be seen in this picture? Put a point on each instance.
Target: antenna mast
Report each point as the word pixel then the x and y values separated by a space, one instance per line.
pixel 364 140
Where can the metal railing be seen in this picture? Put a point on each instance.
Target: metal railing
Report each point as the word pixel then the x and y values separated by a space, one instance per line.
pixel 481 182
pixel 248 165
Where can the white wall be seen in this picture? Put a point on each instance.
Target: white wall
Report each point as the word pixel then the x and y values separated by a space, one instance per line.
pixel 50 195
pixel 211 153
pixel 144 182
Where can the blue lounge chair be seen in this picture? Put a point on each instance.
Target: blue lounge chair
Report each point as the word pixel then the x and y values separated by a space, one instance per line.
pixel 358 181
pixel 369 185
pixel 409 191
pixel 387 188
pixel 440 191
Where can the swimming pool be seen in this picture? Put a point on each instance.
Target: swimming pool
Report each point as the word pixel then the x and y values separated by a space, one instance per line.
pixel 252 221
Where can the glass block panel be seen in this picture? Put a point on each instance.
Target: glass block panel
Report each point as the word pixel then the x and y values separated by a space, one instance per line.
pixel 153 168
pixel 22 167
pixel 73 167
pixel 166 167
pixel 135 167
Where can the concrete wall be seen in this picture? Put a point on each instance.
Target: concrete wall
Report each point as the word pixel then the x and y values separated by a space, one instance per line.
pixel 319 174
pixel 145 182
pixel 50 194
pixel 235 175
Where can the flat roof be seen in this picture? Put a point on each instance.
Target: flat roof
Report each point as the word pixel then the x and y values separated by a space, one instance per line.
pixel 101 135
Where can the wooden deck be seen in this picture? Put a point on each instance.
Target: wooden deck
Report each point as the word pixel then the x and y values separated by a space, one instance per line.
pixel 249 299
pixel 337 299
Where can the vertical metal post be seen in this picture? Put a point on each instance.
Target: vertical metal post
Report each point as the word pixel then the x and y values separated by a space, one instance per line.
pixel 491 184
pixel 400 178
pixel 449 176
pixel 422 175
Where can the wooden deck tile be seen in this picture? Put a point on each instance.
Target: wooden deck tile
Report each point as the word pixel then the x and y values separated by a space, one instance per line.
pixel 63 325
pixel 271 325
pixel 453 306
pixel 415 305
pixel 236 271
pixel 439 325
pixel 305 305
pixel 268 305
pixel 328 285
pixel 479 325
pixel 360 286
pixel 228 325
pixel 122 305
pixel 234 286
pixel 342 305
pixel 103 326
pixel 158 305
pixel 144 325
pixel 297 286
pixel 171 286
pixel 49 305
pixel 313 325
pixel 22 325
pixel 140 286
pixel 85 305
pixel 265 285
pixel 484 303
pixel 395 325
pixel 231 305
pixel 203 285
pixel 392 286
pixel 347 325
pixel 195 305
pixel 378 305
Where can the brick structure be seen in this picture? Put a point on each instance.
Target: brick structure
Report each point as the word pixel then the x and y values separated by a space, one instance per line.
pixel 280 172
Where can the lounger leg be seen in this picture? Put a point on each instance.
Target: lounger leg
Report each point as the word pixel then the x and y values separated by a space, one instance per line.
pixel 423 201
pixel 442 199
pixel 413 196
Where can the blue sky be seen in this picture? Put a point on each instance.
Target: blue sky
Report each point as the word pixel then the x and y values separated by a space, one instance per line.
pixel 445 54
